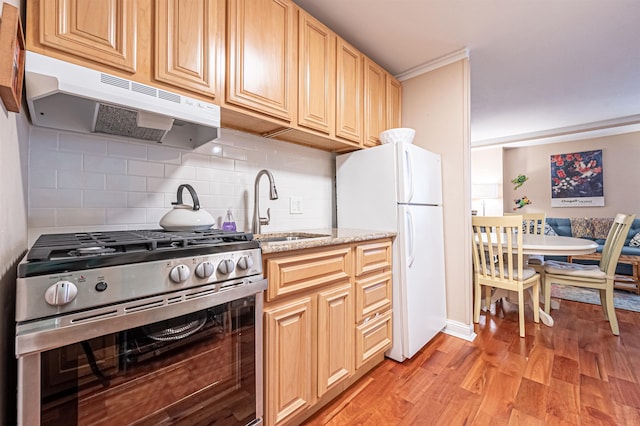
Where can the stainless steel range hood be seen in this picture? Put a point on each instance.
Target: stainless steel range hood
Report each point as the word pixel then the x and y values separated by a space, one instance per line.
pixel 66 96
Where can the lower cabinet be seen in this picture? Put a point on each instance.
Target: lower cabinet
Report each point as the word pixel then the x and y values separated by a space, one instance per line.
pixel 326 322
pixel 335 336
pixel 288 359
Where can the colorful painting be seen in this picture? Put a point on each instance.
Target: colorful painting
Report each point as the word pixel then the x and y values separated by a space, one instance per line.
pixel 577 180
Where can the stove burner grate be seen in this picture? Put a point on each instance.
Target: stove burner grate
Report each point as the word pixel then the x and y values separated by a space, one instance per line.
pixel 85 244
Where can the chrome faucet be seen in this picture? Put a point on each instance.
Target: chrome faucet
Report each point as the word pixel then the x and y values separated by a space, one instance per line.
pixel 273 195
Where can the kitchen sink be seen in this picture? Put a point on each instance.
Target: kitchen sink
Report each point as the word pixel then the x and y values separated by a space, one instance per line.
pixel 287 236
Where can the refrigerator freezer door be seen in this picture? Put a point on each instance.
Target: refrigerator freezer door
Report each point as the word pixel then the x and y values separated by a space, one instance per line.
pixel 419 301
pixel 419 175
pixel 366 189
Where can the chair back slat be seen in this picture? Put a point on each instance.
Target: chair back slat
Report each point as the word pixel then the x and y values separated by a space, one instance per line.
pixel 497 247
pixel 614 242
pixel 532 223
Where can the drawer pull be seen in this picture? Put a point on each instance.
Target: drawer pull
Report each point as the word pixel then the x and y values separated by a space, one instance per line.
pixel 367 319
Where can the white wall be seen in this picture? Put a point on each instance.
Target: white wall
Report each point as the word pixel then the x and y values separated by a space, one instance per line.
pixel 486 178
pixel 88 182
pixel 620 155
pixel 436 104
pixel 13 243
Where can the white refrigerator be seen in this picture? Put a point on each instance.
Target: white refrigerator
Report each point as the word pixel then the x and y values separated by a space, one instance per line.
pixel 398 187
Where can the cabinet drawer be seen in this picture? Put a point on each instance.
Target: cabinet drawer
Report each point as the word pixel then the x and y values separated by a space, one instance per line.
pixel 301 272
pixel 372 337
pixel 372 257
pixel 373 294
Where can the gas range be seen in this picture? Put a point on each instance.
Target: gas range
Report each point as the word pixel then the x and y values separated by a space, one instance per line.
pixel 64 273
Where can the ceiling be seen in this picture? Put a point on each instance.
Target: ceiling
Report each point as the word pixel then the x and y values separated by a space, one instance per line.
pixel 541 70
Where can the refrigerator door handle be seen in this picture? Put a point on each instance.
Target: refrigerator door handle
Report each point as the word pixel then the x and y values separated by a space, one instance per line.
pixel 408 173
pixel 410 240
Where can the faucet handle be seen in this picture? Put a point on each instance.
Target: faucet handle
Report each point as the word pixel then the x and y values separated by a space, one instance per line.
pixel 266 220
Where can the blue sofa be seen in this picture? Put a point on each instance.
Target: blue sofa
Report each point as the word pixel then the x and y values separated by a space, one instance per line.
pixel 562 226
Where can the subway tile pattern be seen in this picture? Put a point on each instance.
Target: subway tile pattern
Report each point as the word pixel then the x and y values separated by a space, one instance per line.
pixel 89 182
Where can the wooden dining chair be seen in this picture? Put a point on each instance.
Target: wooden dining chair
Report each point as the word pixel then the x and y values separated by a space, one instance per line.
pixel 532 223
pixel 493 237
pixel 601 276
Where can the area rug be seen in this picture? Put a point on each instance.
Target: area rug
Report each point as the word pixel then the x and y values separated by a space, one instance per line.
pixel 621 299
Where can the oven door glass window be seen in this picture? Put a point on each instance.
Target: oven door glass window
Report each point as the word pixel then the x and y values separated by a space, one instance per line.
pixel 197 369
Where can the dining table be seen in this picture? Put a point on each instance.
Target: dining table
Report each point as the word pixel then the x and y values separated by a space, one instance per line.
pixel 549 245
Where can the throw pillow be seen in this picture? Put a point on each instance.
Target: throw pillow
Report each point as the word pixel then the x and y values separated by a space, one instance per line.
pixel 635 241
pixel 548 230
pixel 581 227
pixel 601 227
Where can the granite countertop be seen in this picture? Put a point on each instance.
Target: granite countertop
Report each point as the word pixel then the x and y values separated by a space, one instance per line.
pixel 318 238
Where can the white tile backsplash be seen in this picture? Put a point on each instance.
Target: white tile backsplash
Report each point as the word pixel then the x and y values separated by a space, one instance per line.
pixel 80 180
pixel 104 198
pixel 55 198
pixel 43 178
pixel 126 216
pixel 53 160
pixel 77 217
pixel 105 164
pixel 84 182
pixel 126 183
pixel 82 143
pixel 163 154
pixel 127 150
pixel 145 168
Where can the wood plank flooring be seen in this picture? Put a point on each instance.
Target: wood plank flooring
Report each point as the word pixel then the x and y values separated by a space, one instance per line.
pixel 575 373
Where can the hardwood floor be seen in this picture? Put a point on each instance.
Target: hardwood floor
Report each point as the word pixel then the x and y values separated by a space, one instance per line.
pixel 575 373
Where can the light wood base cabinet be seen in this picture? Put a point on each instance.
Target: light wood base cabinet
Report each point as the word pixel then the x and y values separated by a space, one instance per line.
pixel 327 322
pixel 288 359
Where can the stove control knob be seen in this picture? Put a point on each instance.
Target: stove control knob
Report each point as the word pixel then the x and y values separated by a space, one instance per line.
pixel 245 262
pixel 179 273
pixel 61 293
pixel 204 270
pixel 226 267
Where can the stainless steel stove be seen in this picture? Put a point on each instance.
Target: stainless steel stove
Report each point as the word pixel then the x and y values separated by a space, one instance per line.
pixel 98 310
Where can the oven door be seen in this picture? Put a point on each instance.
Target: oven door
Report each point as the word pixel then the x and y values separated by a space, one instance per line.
pixel 203 366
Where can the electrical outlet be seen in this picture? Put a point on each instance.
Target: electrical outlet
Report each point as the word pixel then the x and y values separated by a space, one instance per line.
pixel 295 205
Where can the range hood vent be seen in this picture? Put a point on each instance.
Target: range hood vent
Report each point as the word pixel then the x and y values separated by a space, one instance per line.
pixel 65 96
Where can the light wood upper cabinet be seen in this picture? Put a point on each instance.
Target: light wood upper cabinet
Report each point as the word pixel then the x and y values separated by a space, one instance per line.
pixel 185 50
pixel 171 44
pixel 260 56
pixel 349 95
pixel 375 112
pixel 394 102
pixel 316 85
pixel 382 102
pixel 103 31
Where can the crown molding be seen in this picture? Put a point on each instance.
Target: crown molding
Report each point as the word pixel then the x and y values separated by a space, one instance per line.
pixel 590 130
pixel 434 64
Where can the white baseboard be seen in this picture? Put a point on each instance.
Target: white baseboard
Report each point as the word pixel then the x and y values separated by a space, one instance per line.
pixel 460 330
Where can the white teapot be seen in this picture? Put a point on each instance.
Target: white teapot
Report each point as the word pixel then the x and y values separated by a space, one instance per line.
pixel 184 217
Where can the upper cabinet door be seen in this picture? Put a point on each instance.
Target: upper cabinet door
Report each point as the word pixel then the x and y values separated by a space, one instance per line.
pixel 261 71
pixel 349 94
pixel 103 31
pixel 185 35
pixel 316 87
pixel 375 111
pixel 394 103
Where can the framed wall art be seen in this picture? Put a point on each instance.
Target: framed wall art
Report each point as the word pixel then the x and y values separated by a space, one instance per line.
pixel 12 53
pixel 577 179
